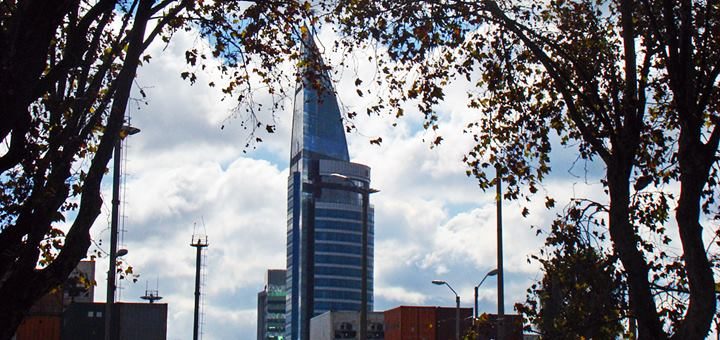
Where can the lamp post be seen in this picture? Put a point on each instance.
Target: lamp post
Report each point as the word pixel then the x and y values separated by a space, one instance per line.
pixel 490 273
pixel 500 275
pixel 457 306
pixel 114 253
pixel 365 192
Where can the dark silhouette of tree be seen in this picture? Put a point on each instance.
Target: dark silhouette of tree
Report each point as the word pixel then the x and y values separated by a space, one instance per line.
pixel 630 83
pixel 66 72
pixel 581 293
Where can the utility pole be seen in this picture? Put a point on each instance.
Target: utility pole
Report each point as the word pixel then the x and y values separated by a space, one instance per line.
pixel 199 243
pixel 114 219
pixel 500 274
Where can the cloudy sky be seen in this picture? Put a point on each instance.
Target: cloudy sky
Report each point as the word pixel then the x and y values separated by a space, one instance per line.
pixel 185 174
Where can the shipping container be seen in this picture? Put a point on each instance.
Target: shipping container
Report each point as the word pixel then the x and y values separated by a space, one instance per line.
pixel 133 321
pixel 446 321
pixel 143 321
pixel 425 323
pixel 486 327
pixel 51 304
pixel 39 328
pixel 410 323
pixel 84 321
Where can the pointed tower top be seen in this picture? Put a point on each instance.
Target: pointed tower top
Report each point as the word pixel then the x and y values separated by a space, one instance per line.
pixel 318 131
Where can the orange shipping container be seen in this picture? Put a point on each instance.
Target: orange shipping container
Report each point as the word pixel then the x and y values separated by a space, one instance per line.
pixel 35 327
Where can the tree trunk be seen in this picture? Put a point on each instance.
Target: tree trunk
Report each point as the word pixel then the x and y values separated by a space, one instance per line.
pixel 22 286
pixel 695 160
pixel 624 238
pixel 16 304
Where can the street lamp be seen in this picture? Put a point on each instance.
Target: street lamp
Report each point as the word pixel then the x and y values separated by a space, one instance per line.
pixel 457 306
pixel 365 192
pixel 500 272
pixel 114 252
pixel 490 273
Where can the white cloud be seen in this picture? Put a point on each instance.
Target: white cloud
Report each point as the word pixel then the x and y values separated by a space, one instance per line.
pixel 186 175
pixel 431 220
pixel 401 295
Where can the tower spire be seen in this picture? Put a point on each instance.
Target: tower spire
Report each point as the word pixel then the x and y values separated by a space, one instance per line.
pixel 324 207
pixel 318 130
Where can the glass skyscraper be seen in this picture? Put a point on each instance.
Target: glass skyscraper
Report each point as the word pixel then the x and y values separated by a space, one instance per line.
pixel 324 226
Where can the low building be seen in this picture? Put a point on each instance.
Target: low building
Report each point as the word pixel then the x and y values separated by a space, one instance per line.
pixel 80 285
pixel 346 325
pixel 271 306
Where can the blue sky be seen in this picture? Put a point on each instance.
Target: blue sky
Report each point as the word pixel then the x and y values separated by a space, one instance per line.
pixel 183 170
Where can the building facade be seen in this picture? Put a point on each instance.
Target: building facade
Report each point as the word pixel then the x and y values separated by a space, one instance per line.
pixel 325 210
pixel 271 306
pixel 346 325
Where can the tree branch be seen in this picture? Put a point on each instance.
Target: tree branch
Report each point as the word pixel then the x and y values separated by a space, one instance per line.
pixel 557 75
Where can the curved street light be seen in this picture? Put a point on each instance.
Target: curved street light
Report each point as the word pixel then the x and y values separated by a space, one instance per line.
pixel 457 306
pixel 490 273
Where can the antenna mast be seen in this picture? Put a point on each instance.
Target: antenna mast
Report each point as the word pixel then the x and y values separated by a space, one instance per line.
pixel 199 241
pixel 152 295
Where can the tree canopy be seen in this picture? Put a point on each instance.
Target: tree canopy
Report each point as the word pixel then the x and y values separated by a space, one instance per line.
pixel 581 293
pixel 66 72
pixel 632 83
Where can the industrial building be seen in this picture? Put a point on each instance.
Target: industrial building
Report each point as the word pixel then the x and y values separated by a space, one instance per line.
pixel 345 325
pixel 68 313
pixel 413 323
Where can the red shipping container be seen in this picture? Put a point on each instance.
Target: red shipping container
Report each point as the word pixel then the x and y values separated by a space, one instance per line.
pixel 410 323
pixel 424 323
pixel 35 327
pixel 446 321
